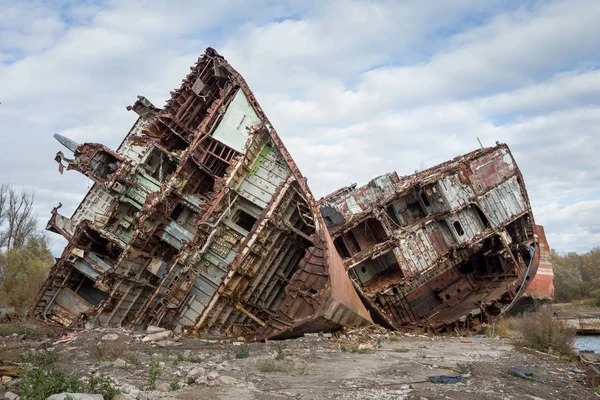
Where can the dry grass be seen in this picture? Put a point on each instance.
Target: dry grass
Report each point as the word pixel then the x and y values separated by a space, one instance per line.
pixel 269 366
pixel 42 358
pixel 30 330
pixel 505 328
pixel 540 331
pixel 355 349
pixel 108 351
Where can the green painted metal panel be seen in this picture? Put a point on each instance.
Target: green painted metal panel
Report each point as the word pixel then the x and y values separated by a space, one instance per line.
pixel 232 131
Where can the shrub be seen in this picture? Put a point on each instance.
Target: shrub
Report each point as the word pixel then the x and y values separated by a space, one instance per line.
pixel 39 384
pixel 272 366
pixel 280 356
pixel 154 373
pixel 242 351
pixel 100 385
pixel 541 331
pixel 464 369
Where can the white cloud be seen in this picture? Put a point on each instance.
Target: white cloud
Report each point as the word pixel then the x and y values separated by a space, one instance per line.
pixel 355 88
pixel 572 227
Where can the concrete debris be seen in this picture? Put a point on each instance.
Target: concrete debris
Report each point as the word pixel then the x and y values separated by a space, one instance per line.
pixel 229 380
pixel 111 337
pixel 154 329
pixel 159 336
pixel 201 221
pixel 212 376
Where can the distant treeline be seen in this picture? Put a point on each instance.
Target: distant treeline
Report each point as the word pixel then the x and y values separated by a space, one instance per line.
pixel 577 277
pixel 24 254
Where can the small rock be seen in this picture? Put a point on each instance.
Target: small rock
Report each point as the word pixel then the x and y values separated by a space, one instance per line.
pixel 111 337
pixel 201 380
pixel 155 329
pixel 223 366
pixel 119 363
pixel 211 365
pixel 228 380
pixel 194 374
pixel 155 337
pixel 187 354
pixel 6 379
pixel 11 396
pixel 212 375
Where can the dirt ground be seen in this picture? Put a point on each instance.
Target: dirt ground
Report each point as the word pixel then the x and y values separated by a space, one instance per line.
pixel 383 366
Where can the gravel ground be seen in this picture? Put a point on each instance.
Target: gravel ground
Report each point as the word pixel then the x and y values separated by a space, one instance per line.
pixel 370 366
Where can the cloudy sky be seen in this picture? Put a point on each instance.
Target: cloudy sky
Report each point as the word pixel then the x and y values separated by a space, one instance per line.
pixel 355 88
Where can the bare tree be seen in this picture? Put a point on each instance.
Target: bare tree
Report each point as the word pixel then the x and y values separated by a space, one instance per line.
pixel 17 215
pixel 3 196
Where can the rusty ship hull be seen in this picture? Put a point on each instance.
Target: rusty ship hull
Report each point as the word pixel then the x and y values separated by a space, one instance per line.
pixel 428 249
pixel 201 221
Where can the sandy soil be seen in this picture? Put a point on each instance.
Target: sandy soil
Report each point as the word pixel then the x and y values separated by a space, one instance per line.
pixel 389 367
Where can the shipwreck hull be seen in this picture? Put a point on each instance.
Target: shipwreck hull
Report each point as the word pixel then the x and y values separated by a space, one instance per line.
pixel 201 221
pixel 428 249
pixel 540 290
